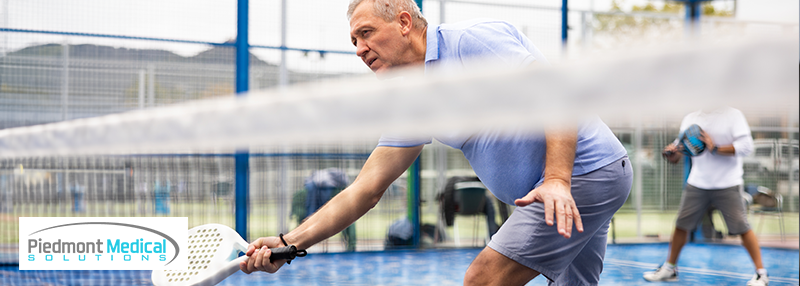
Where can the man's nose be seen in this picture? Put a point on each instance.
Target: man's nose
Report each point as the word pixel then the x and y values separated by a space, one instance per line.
pixel 361 50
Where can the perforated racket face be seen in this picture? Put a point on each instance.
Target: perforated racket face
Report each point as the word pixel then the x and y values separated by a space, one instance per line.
pixel 213 255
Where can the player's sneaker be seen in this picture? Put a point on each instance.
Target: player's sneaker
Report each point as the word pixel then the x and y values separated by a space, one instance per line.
pixel 758 280
pixel 663 273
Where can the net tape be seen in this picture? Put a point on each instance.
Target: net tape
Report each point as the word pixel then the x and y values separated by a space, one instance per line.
pixel 672 80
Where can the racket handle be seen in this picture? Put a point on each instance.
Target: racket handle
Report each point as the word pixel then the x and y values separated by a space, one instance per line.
pixel 286 252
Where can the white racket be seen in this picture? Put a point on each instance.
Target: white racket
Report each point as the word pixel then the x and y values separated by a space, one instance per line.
pixel 213 256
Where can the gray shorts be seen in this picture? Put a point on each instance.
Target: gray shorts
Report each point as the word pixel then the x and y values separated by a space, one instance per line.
pixel 695 203
pixel 528 240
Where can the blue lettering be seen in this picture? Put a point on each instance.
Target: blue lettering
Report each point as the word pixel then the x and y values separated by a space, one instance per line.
pixel 48 257
pixel 112 247
pixel 127 257
pixel 145 257
pixel 145 247
pixel 82 258
pixel 31 257
pixel 124 248
pixel 135 246
pixel 162 257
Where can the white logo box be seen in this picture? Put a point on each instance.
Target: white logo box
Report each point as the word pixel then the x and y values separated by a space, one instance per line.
pixel 103 243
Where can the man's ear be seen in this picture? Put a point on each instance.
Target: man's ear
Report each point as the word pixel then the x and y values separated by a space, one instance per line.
pixel 404 18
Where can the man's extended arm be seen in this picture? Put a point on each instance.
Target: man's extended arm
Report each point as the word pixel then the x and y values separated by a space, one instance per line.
pixel 384 165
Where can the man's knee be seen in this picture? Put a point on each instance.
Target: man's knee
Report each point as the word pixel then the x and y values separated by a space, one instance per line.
pixel 492 268
pixel 472 275
pixel 477 273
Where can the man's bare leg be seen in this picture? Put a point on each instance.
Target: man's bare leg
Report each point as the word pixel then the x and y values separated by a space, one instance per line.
pixel 750 242
pixel 679 238
pixel 493 268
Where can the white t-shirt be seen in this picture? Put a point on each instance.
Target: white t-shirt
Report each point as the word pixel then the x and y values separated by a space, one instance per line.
pixel 726 126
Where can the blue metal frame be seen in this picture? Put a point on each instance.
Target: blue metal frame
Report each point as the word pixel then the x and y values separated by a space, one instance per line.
pixel 564 26
pixel 242 165
pixel 62 33
pixel 113 36
pixel 693 12
pixel 413 190
pixel 413 193
pixel 242 157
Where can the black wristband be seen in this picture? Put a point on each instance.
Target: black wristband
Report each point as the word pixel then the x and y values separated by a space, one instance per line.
pixel 283 240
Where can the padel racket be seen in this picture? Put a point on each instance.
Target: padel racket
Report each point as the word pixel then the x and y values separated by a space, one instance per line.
pixel 213 256
pixel 689 141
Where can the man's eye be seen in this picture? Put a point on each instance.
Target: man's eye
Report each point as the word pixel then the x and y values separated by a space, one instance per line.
pixel 364 33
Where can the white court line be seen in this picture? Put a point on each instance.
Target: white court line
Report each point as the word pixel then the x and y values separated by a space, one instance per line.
pixel 700 271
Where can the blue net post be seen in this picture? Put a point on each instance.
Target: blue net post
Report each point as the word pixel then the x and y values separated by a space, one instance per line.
pixel 564 26
pixel 242 156
pixel 693 11
pixel 413 195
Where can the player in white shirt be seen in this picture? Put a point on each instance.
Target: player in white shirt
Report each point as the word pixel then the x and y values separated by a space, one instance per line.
pixel 715 178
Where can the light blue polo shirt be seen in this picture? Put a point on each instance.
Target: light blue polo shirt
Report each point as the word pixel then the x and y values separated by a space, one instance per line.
pixel 510 164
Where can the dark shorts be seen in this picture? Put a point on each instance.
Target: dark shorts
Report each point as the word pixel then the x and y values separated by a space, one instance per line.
pixel 527 239
pixel 695 203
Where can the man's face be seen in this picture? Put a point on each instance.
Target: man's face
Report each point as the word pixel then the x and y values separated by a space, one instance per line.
pixel 380 44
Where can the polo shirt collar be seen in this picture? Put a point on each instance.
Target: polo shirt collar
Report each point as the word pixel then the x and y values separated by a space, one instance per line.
pixel 432 44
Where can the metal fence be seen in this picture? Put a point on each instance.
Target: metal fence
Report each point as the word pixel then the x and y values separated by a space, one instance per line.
pixel 55 70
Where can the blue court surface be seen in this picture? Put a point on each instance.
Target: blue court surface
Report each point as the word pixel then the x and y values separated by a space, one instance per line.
pixel 701 264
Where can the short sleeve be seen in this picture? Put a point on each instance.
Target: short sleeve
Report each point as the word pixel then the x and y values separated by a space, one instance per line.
pixel 388 140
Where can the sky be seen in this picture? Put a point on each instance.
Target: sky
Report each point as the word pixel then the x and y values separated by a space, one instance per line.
pixel 311 24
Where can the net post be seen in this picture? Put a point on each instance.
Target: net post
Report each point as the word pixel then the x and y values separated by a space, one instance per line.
pixel 564 26
pixel 693 12
pixel 414 186
pixel 242 166
pixel 242 48
pixel 413 195
pixel 242 156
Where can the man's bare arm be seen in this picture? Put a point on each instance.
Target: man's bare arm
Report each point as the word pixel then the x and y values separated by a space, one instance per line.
pixel 384 165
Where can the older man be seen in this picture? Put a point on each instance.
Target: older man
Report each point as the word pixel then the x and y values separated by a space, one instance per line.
pixel 560 177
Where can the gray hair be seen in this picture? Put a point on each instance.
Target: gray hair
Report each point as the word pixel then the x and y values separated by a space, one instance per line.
pixel 388 10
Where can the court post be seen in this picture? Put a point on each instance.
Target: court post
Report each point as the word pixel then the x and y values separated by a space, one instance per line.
pixel 564 25
pixel 413 198
pixel 242 156
pixel 413 189
pixel 693 12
